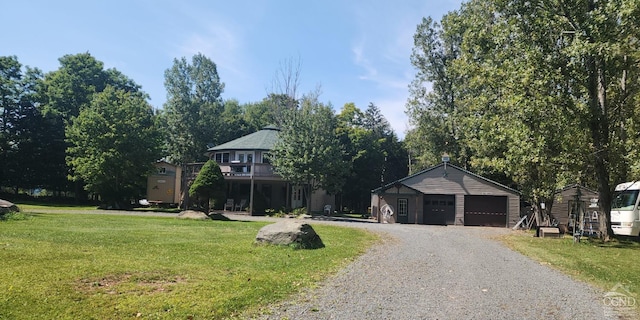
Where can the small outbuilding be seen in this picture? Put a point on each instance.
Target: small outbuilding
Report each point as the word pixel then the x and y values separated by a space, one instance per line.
pixel 163 185
pixel 446 195
pixel 576 202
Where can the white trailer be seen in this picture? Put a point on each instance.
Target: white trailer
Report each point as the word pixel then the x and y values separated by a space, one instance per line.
pixel 624 209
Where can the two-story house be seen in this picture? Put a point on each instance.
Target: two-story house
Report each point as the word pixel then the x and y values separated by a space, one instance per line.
pixel 244 162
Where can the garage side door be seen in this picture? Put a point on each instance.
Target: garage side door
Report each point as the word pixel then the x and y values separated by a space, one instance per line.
pixel 485 211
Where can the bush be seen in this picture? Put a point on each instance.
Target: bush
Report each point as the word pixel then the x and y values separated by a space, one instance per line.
pixel 286 212
pixel 209 184
pixel 13 216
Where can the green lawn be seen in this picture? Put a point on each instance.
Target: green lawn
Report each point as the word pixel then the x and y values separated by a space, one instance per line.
pixel 602 264
pixel 27 206
pixel 69 266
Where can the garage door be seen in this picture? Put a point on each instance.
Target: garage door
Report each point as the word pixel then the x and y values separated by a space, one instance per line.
pixel 485 211
pixel 439 209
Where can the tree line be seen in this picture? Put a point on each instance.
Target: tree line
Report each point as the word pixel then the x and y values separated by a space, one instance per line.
pixel 86 132
pixel 535 94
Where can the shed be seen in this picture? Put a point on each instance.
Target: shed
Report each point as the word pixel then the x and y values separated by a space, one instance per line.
pixel 446 195
pixel 564 205
pixel 163 184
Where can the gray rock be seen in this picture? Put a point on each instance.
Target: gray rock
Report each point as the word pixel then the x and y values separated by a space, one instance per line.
pixel 194 215
pixel 7 207
pixel 290 233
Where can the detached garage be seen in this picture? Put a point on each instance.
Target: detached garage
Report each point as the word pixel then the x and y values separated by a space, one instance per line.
pixel 446 195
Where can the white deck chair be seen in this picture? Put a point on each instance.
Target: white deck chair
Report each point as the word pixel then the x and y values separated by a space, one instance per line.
pixel 229 205
pixel 240 205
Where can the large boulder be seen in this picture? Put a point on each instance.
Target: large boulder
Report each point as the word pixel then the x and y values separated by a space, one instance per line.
pixel 7 207
pixel 290 233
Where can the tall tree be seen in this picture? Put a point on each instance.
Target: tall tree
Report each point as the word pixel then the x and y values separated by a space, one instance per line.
pixel 502 119
pixel 258 115
pixel 286 83
pixel 308 152
pixel 23 130
pixel 193 108
pixel 234 122
pixel 603 56
pixel 64 93
pixel 113 144
pixel 10 91
pixel 373 151
pixel 434 98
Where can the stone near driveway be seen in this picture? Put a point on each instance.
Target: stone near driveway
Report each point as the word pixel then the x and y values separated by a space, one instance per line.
pixel 290 232
pixel 192 214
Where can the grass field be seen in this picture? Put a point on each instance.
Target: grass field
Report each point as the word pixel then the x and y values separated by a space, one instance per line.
pixel 70 266
pixel 28 206
pixel 604 265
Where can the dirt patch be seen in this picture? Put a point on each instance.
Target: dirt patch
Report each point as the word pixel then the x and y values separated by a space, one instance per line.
pixel 127 283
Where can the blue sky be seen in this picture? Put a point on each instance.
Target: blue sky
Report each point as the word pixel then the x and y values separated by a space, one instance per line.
pixel 355 51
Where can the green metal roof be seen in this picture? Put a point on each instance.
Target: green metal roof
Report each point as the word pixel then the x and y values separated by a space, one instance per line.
pixel 264 139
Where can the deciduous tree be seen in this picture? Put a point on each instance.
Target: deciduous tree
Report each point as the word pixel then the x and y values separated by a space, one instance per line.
pixel 113 144
pixel 308 152
pixel 192 112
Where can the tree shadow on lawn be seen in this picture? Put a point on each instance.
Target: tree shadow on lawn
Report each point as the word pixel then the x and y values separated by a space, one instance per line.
pixel 216 216
pixel 623 242
pixel 342 219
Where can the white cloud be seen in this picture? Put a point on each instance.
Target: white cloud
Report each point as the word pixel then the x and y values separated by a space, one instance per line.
pixel 220 44
pixel 370 72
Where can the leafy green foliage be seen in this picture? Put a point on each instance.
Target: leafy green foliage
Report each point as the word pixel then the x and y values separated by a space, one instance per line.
pixel 434 113
pixel 209 184
pixel 113 143
pixel 536 92
pixel 375 155
pixel 192 112
pixel 308 152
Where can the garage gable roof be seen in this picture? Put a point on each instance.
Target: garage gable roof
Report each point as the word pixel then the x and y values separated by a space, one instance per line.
pixel 400 181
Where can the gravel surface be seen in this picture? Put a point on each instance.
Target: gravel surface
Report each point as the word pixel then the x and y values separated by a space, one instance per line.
pixel 434 272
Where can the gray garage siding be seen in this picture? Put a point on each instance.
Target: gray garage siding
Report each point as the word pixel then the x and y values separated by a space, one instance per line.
pixel 453 181
pixel 461 183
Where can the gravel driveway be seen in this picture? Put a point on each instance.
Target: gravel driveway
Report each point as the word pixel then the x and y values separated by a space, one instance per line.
pixel 434 272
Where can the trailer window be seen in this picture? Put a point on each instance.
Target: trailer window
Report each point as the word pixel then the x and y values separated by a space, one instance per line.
pixel 625 200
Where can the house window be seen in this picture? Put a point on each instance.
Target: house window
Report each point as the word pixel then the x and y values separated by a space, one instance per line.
pixel 162 170
pixel 222 157
pixel 266 158
pixel 403 207
pixel 244 157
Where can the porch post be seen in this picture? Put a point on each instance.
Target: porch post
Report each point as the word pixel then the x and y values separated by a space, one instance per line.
pixel 251 192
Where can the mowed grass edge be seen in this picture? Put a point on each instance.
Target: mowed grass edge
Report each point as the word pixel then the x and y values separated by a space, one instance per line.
pixel 603 265
pixel 70 266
